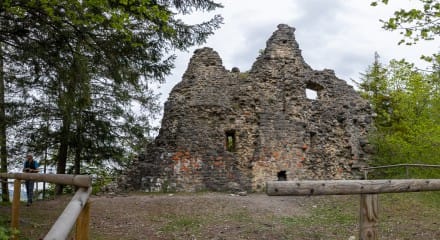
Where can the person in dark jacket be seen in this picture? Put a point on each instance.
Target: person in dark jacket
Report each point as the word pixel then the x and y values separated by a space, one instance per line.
pixel 30 166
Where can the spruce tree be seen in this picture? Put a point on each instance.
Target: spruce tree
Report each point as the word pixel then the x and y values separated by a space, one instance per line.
pixel 92 60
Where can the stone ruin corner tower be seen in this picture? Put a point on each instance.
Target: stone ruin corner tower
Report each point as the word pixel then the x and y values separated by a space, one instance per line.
pixel 227 130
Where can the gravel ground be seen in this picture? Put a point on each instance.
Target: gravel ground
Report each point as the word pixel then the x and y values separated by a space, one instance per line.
pixel 222 216
pixel 192 216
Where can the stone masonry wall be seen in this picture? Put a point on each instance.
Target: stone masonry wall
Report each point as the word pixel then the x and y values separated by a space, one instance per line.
pixel 226 130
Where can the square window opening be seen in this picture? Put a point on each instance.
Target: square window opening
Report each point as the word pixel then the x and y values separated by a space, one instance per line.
pixel 313 90
pixel 311 94
pixel 282 176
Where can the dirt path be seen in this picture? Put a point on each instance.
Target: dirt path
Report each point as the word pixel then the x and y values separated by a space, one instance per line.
pixel 186 216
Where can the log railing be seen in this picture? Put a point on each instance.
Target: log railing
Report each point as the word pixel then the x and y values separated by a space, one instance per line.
pixel 368 190
pixel 405 165
pixel 77 211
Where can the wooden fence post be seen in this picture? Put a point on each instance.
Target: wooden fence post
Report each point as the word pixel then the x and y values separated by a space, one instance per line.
pixel 83 223
pixel 369 217
pixel 16 206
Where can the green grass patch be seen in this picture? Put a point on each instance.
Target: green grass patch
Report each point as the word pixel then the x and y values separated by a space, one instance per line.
pixel 330 219
pixel 189 224
pixel 240 216
pixel 401 216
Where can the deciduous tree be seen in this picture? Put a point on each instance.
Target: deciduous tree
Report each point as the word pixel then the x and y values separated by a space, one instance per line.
pixel 422 23
pixel 411 130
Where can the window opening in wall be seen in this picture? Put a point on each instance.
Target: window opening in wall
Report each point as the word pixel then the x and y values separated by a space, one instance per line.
pixel 311 94
pixel 313 90
pixel 230 141
pixel 312 139
pixel 282 176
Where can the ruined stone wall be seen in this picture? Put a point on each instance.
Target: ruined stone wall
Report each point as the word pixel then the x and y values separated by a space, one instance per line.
pixel 226 130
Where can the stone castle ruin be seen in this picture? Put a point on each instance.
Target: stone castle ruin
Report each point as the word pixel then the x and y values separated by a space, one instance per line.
pixel 226 130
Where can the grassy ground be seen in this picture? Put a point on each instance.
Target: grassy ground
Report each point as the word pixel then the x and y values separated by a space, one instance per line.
pixel 222 216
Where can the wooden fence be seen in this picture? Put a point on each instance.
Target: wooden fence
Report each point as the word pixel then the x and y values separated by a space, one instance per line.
pixel 368 190
pixel 77 211
pixel 401 165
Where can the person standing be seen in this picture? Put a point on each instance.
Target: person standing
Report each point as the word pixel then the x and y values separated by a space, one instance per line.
pixel 30 166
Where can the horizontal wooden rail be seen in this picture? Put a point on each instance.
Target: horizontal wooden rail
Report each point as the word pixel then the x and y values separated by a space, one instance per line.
pixel 65 222
pixel 349 187
pixel 404 165
pixel 65 179
pixel 77 211
pixel 367 189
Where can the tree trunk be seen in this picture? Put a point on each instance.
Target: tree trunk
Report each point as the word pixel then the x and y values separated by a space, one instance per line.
pixel 65 105
pixel 78 150
pixel 77 166
pixel 3 125
pixel 63 151
pixel 78 145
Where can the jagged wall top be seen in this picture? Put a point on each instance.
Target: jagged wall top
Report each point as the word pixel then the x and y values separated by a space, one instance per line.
pixel 282 46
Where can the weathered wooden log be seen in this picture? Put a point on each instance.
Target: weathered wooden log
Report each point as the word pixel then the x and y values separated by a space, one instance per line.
pixel 65 179
pixel 65 222
pixel 349 187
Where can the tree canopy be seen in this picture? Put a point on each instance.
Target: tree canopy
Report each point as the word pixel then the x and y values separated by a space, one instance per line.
pixel 406 100
pixel 422 23
pixel 407 103
pixel 75 69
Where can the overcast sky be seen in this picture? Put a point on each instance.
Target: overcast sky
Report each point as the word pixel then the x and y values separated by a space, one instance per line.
pixel 335 34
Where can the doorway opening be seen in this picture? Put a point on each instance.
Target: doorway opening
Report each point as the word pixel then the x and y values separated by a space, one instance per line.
pixel 282 176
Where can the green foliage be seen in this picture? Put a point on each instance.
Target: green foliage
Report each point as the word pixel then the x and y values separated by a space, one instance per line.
pixel 5 231
pixel 102 176
pixel 415 24
pixel 375 90
pixel 407 103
